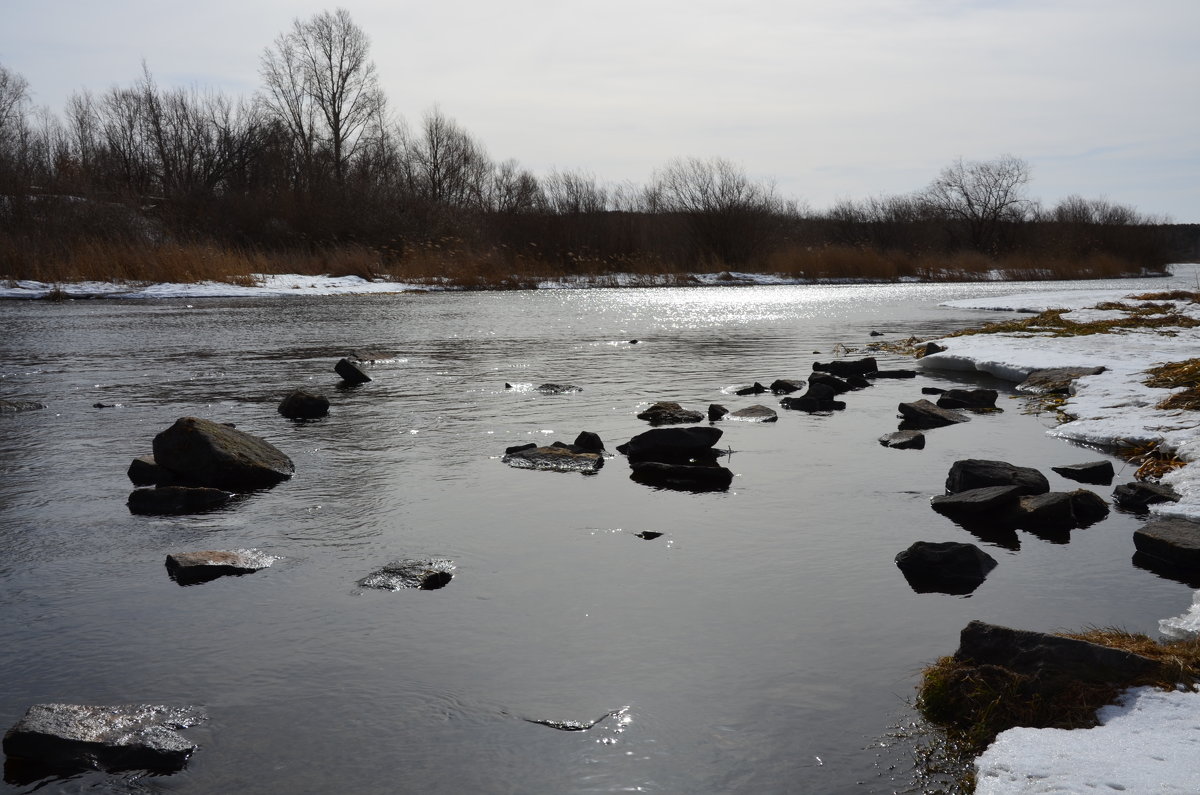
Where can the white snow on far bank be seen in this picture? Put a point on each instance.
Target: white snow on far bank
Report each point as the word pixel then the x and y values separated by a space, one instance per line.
pixel 1114 408
pixel 265 285
pixel 1147 743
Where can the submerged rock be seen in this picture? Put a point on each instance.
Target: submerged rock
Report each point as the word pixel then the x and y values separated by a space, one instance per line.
pixel 204 453
pixel 112 738
pixel 557 389
pixel 350 372
pixel 176 500
pixel 754 389
pixel 754 413
pixel 974 473
pixel 904 440
pixel 302 405
pixel 1097 472
pixel 190 568
pixel 554 458
pixel 13 406
pixel 922 415
pixel 946 567
pixel 668 413
pixel 576 725
pixel 424 574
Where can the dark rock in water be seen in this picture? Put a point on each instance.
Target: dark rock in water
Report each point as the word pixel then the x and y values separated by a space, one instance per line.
pixel 425 574
pixel 104 405
pixel 1036 654
pixel 1053 511
pixel 648 535
pixel 1057 380
pixel 932 348
pixel 904 440
pixel 69 737
pixel 1097 472
pixel 633 342
pixel 588 442
pixel 847 367
pixel 1137 497
pixel 716 411
pixel 666 412
pixel 988 504
pixel 1173 541
pixel 681 476
pixel 932 390
pixel 204 453
pixel 557 389
pixel 350 372
pixel 302 405
pixel 560 458
pixel 892 374
pixel 922 415
pixel 175 500
pixel 13 406
pixel 516 448
pixel 812 405
pixel 1088 507
pixel 190 568
pixel 831 381
pixel 754 413
pixel 967 399
pixel 507 385
pixel 857 382
pixel 975 473
pixel 782 386
pixel 876 334
pixel 755 389
pixel 820 391
pixel 144 471
pixel 946 567
pixel 672 444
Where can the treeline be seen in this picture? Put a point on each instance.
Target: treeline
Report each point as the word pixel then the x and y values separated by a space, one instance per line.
pixel 315 173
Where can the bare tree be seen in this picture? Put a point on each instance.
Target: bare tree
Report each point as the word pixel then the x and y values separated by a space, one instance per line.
pixel 445 165
pixel 514 189
pixel 323 86
pixel 982 194
pixel 573 193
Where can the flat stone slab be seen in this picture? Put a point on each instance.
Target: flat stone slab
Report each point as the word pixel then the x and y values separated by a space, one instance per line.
pixel 1138 497
pixel 755 413
pixel 1173 541
pixel 967 399
pixel 556 459
pixel 423 574
pixel 190 568
pixel 1056 380
pixel 988 503
pixel 121 737
pixel 1096 472
pixel 922 415
pixel 687 477
pixel 974 473
pixel 1038 653
pixel 847 367
pixel 904 440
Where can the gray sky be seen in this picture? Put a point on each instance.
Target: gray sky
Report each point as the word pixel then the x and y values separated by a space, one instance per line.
pixel 830 99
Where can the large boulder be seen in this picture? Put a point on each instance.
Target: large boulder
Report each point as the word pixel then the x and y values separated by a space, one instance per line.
pixel 1057 380
pixel 350 372
pixel 847 367
pixel 1175 542
pixel 200 452
pixel 967 399
pixel 175 500
pixel 113 738
pixel 666 412
pixel 923 415
pixel 558 458
pixel 1036 654
pixel 1097 472
pixel 190 568
pixel 302 405
pixel 670 444
pixel 1137 497
pixel 975 473
pixel 688 477
pixel 422 574
pixel 944 567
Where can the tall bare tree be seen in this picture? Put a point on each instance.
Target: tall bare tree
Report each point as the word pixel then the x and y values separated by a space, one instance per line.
pixel 982 194
pixel 323 86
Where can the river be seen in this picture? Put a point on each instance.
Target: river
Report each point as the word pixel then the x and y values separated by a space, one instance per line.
pixel 765 642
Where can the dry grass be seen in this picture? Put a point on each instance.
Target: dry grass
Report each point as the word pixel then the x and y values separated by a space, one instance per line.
pixel 1052 323
pixel 1172 295
pixel 1184 376
pixel 976 702
pixel 1153 460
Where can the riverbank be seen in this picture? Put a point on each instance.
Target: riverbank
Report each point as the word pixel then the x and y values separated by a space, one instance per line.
pixel 1144 742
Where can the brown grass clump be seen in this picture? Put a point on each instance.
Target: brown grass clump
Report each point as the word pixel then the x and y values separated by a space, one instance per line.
pixel 1153 460
pixel 1172 295
pixel 976 702
pixel 1184 376
pixel 1053 323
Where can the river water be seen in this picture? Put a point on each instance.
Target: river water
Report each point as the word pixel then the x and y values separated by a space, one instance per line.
pixel 765 642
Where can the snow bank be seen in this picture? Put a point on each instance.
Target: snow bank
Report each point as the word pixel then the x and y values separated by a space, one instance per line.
pixel 1148 742
pixel 1111 409
pixel 265 285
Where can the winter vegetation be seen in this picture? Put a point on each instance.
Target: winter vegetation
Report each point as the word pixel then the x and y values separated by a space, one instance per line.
pixel 315 174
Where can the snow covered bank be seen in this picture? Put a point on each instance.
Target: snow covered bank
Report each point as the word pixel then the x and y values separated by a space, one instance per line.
pixel 1114 408
pixel 263 285
pixel 1149 742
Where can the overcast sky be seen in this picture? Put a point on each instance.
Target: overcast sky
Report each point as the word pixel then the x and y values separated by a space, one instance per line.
pixel 831 99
